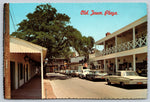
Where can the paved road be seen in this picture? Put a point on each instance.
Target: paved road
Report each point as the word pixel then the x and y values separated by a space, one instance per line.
pixel 74 87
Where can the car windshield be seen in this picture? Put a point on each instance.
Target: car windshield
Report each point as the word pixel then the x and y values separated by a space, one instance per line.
pixel 86 71
pixel 90 72
pixel 79 70
pixel 97 72
pixel 131 74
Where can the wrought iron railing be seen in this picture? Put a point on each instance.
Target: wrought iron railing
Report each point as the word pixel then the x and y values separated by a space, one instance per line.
pixel 139 42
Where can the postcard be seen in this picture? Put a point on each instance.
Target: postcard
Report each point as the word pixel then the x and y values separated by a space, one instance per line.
pixel 75 51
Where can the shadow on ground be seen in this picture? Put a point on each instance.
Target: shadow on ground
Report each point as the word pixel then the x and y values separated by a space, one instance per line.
pixel 99 80
pixel 96 80
pixel 56 77
pixel 130 87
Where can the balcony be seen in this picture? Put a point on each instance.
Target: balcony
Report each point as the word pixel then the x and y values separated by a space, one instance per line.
pixel 140 42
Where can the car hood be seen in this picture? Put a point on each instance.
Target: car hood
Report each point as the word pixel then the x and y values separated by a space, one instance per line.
pixel 102 74
pixel 135 77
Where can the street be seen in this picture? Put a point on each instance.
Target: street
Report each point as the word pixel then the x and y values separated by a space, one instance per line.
pixel 74 87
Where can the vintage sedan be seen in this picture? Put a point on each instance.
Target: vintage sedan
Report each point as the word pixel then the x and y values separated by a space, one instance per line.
pixel 62 71
pixel 67 72
pixel 126 78
pixel 83 73
pixel 70 72
pixel 96 74
pixel 73 74
pixel 76 73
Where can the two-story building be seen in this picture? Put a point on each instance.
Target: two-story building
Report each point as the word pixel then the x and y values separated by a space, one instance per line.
pixel 56 64
pixel 76 63
pixel 124 49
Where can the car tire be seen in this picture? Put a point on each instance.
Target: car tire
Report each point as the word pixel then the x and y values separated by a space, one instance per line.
pixel 86 77
pixel 122 84
pixel 108 82
pixel 92 78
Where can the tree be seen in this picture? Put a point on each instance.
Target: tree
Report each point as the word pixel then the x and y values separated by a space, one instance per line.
pixel 50 29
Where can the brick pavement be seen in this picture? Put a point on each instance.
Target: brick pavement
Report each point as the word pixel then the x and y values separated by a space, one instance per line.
pixel 49 94
pixel 32 90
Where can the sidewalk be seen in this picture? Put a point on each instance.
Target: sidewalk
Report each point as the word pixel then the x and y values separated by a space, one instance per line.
pixel 30 90
pixel 49 94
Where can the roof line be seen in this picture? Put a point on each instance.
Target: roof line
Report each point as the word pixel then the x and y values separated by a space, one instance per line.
pixel 43 48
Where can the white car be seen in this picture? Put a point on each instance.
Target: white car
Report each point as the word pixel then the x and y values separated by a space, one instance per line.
pixel 77 72
pixel 67 72
pixel 96 74
pixel 70 72
pixel 83 73
pixel 126 78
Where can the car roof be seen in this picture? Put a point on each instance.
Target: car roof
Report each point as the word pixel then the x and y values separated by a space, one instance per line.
pixel 125 71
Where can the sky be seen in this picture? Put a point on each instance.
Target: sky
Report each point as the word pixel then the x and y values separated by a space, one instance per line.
pixel 96 25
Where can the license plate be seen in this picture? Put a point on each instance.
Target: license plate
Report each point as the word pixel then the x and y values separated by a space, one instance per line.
pixel 139 83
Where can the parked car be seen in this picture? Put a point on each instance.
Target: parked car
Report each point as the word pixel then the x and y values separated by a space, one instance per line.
pixel 76 73
pixel 73 74
pixel 56 71
pixel 70 72
pixel 96 74
pixel 126 78
pixel 144 72
pixel 83 73
pixel 67 72
pixel 62 71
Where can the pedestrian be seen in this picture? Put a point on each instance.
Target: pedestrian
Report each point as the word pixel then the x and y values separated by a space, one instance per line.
pixel 85 65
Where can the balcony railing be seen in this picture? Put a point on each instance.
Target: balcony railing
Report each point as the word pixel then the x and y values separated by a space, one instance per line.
pixel 140 42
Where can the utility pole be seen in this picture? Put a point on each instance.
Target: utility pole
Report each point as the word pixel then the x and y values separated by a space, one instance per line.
pixel 7 81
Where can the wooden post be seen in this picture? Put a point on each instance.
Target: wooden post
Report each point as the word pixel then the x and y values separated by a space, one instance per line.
pixel 42 82
pixel 116 61
pixel 133 37
pixel 134 62
pixel 104 45
pixel 104 65
pixel 7 81
pixel 116 43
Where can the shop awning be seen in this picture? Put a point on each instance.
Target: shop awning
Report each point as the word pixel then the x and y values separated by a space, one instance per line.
pixel 21 46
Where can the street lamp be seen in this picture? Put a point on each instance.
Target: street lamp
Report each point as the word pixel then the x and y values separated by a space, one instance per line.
pixel 46 60
pixel 26 58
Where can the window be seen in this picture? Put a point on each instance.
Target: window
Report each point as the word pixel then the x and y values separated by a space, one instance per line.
pixel 131 74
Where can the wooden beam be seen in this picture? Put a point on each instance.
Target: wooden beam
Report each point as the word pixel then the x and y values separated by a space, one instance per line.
pixel 7 81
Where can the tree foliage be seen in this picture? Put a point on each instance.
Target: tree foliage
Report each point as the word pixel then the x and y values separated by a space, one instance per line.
pixel 50 29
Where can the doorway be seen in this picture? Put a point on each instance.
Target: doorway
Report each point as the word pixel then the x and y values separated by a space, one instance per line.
pixel 12 71
pixel 26 72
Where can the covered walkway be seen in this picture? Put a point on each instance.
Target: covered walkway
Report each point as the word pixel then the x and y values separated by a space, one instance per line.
pixel 30 90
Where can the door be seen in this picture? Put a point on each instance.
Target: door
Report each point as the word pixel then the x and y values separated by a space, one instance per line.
pixel 12 72
pixel 26 72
